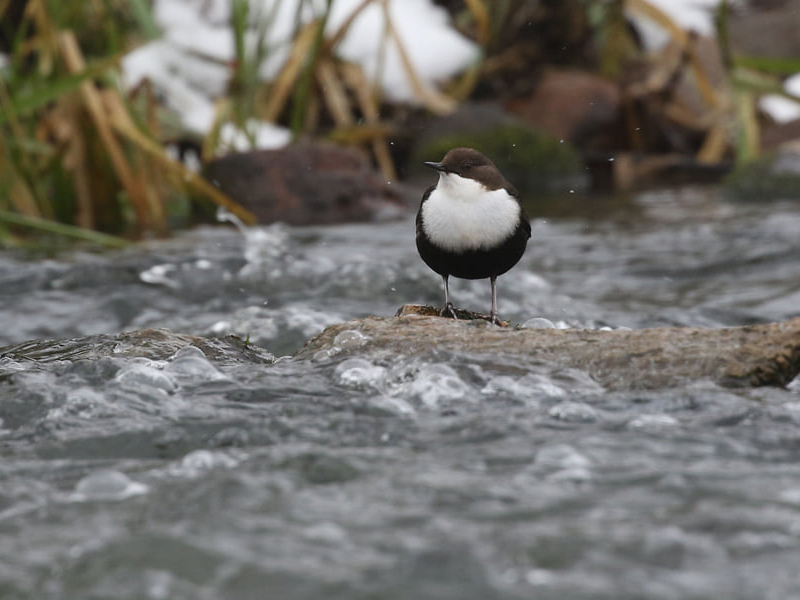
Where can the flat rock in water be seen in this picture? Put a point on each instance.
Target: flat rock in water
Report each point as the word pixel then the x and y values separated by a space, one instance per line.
pixel 754 355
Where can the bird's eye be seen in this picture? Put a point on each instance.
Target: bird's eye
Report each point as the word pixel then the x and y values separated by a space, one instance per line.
pixel 467 166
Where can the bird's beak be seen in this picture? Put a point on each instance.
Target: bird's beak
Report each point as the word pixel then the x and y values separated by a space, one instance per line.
pixel 436 166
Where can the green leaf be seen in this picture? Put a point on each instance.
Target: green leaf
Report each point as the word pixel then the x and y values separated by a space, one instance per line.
pixel 41 94
pixel 144 17
pixel 769 64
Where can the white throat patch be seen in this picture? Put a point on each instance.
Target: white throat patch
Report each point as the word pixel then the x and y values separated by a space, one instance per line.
pixel 461 214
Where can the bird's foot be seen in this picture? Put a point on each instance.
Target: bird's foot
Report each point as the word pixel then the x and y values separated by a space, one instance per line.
pixel 493 318
pixel 449 311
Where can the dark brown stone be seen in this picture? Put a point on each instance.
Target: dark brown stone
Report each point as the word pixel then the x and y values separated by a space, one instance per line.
pixel 576 106
pixel 755 355
pixel 776 135
pixel 766 29
pixel 308 183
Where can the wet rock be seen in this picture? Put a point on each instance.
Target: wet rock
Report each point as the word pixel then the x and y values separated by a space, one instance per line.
pixel 640 359
pixel 430 311
pixel 153 344
pixel 308 183
pixel 755 355
pixel 536 162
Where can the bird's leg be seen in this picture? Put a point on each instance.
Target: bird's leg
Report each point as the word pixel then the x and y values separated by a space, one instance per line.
pixel 448 309
pixel 493 316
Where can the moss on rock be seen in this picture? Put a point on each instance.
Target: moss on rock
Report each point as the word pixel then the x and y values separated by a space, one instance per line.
pixel 539 165
pixel 534 162
pixel 770 178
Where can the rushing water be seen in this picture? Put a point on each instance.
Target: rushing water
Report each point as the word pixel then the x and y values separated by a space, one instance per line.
pixel 128 474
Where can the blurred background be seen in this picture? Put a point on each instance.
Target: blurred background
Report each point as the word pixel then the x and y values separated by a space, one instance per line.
pixel 137 116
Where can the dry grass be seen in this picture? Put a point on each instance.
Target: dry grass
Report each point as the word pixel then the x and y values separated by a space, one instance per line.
pixel 73 149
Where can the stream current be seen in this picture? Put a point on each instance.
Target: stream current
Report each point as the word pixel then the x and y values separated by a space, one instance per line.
pixel 442 476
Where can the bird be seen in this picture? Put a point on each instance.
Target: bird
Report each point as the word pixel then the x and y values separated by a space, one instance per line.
pixel 470 224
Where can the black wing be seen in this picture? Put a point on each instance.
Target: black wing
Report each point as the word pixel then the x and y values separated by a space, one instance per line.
pixel 526 223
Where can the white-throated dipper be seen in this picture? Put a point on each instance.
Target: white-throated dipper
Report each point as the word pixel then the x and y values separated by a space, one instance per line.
pixel 470 224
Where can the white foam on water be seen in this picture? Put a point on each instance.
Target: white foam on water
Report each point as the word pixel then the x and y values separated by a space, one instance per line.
pixel 161 275
pixel 261 325
pixel 573 412
pixel 392 404
pixel 653 422
pixel 562 462
pixel 529 388
pixel 561 456
pixel 198 462
pixel 83 403
pixel 106 485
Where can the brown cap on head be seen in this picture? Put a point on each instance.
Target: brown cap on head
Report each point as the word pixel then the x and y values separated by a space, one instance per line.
pixel 468 162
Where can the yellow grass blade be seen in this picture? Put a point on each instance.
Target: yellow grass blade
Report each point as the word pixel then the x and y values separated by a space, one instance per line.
pixel 334 93
pixel 123 124
pixel 660 17
pixel 91 97
pixel 284 84
pixel 480 13
pixel 355 77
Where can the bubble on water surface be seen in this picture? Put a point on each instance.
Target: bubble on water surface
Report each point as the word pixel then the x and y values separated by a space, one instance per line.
pixel 538 323
pixel 107 485
pixel 190 365
pixel 143 374
pixel 350 338
pixel 436 383
pixel 360 373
